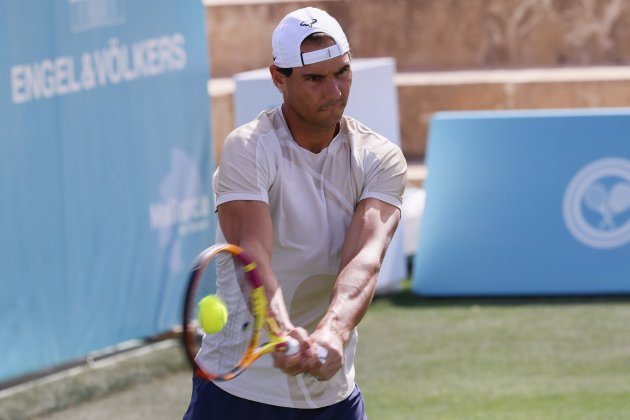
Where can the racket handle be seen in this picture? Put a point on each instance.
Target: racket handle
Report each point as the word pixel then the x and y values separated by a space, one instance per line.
pixel 293 347
pixel 322 353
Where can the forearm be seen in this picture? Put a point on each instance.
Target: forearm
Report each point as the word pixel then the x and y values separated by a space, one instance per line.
pixel 351 297
pixel 261 254
pixel 248 225
pixel 367 240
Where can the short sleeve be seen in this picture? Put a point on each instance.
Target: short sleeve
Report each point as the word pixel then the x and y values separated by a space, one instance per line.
pixel 243 173
pixel 385 174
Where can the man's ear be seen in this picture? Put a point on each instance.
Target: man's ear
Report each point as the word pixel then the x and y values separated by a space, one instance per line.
pixel 277 78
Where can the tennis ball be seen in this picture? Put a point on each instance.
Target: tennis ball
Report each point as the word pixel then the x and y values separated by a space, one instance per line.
pixel 213 314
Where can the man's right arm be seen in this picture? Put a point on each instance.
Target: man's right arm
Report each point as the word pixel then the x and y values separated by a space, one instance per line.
pixel 248 225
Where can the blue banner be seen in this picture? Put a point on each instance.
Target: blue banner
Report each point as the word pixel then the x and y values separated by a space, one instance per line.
pixel 526 203
pixel 105 167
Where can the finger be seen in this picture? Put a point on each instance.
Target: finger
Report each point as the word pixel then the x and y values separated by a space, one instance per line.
pixel 285 362
pixel 322 354
pixel 328 364
pixel 301 336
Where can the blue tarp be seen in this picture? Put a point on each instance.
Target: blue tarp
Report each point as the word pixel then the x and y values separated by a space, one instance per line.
pixel 105 167
pixel 526 203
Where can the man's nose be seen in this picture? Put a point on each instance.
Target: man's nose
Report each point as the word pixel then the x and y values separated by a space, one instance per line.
pixel 332 89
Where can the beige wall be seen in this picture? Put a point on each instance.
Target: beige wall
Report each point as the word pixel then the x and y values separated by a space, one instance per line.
pixel 438 34
pixel 429 37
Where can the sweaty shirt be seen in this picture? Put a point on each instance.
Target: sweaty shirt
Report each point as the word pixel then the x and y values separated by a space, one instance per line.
pixel 311 197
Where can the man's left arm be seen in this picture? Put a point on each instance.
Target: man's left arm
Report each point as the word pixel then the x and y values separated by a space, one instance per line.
pixel 369 234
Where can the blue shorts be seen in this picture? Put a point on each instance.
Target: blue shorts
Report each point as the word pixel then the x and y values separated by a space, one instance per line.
pixel 209 402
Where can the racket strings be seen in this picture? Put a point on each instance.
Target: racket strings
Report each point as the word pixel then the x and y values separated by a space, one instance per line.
pixel 233 341
pixel 223 354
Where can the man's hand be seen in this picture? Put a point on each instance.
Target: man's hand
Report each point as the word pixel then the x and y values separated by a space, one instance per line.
pixel 303 361
pixel 333 345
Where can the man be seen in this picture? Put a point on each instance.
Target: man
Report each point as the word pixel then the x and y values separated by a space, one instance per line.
pixel 314 198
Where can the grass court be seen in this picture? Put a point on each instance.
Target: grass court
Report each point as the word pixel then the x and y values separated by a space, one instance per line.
pixel 499 358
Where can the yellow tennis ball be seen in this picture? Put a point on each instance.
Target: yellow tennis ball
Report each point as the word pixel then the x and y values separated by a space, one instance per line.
pixel 213 314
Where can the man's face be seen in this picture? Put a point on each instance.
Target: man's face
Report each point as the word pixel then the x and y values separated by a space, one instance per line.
pixel 317 94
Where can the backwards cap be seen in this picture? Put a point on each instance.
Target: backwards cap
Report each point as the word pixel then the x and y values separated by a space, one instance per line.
pixel 295 27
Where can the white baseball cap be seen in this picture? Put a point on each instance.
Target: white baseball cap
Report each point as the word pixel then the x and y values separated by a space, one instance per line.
pixel 295 27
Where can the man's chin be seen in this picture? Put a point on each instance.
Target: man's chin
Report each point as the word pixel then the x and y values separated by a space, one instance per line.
pixel 333 114
pixel 330 122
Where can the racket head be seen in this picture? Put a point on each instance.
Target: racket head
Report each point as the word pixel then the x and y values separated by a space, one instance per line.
pixel 239 351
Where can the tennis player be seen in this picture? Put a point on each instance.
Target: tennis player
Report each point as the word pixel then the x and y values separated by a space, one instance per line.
pixel 314 197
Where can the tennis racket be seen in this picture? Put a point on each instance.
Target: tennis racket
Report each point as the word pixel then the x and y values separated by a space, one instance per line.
pixel 232 353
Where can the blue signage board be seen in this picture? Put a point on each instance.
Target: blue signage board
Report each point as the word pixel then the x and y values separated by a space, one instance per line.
pixel 526 203
pixel 105 167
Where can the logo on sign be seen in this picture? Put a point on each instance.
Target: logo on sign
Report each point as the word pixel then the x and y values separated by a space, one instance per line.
pixel 86 15
pixel 183 209
pixel 596 205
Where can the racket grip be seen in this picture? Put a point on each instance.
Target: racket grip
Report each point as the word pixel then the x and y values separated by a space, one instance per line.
pixel 322 353
pixel 293 347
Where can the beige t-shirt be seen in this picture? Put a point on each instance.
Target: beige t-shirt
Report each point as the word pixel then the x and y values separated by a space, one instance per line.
pixel 312 198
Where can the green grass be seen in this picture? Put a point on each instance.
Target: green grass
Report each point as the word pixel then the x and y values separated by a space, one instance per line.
pixel 503 358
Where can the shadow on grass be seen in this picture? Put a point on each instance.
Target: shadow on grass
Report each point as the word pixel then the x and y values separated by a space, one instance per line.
pixel 407 298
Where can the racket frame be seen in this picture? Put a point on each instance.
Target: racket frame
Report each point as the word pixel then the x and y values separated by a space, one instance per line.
pixel 259 310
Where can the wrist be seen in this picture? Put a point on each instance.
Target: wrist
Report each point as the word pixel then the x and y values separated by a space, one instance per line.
pixel 329 330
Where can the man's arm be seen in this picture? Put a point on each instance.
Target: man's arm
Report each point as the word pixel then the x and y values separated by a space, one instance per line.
pixel 369 234
pixel 248 225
